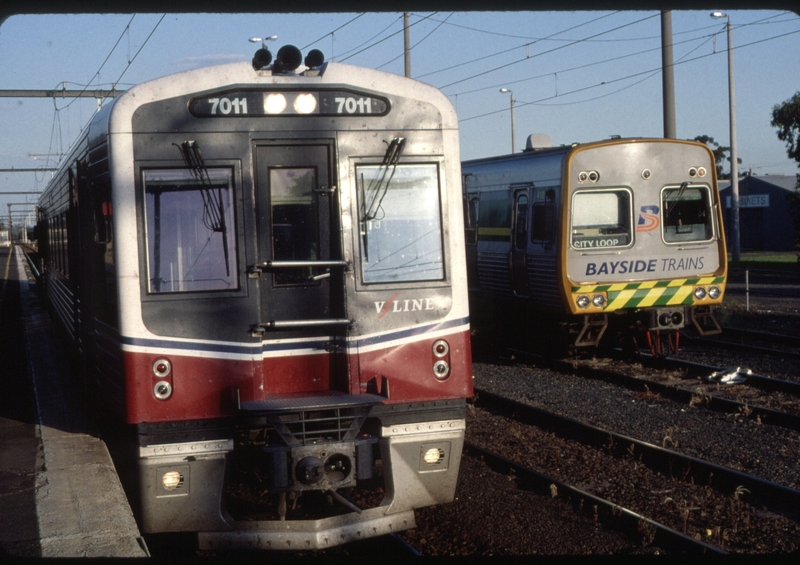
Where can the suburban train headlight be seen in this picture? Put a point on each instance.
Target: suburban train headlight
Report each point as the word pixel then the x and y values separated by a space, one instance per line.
pixel 714 292
pixel 583 301
pixel 433 456
pixel 701 171
pixel 699 293
pixel 172 480
pixel 275 103
pixel 599 300
pixel 692 172
pixel 441 370
pixel 162 390
pixel 162 368
pixel 441 348
pixel 305 103
pixel 646 174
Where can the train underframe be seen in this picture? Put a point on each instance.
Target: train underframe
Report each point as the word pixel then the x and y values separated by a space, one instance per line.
pixel 307 474
pixel 656 330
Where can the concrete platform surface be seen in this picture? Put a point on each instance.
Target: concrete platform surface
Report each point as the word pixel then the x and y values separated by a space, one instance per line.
pixel 56 468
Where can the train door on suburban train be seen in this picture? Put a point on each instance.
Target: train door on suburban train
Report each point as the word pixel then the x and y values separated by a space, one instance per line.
pixel 301 286
pixel 519 242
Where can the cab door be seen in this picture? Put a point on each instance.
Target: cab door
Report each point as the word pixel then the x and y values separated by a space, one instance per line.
pixel 519 243
pixel 301 287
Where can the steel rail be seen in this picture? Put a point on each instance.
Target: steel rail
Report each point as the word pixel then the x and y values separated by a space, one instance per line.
pixel 767 415
pixel 613 515
pixel 779 498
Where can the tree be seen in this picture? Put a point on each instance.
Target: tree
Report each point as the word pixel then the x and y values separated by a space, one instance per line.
pixel 721 154
pixel 786 117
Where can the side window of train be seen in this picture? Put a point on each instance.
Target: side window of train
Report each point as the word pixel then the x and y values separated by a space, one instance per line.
pixel 686 213
pixel 191 231
pixel 601 218
pixel 543 229
pixel 400 222
pixel 471 220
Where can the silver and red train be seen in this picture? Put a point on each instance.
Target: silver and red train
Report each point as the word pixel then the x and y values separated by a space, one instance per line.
pixel 623 235
pixel 261 269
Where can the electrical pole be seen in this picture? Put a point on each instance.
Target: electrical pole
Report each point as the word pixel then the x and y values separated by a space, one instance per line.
pixel 667 74
pixel 406 44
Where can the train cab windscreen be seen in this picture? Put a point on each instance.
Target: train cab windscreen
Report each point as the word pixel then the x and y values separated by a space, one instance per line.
pixel 191 235
pixel 601 219
pixel 687 213
pixel 401 226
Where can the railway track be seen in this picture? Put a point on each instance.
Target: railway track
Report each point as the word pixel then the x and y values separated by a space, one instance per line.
pixel 610 514
pixel 750 340
pixel 694 385
pixel 693 506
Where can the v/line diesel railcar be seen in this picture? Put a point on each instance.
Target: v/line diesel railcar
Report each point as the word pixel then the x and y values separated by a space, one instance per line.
pixel 261 268
pixel 623 234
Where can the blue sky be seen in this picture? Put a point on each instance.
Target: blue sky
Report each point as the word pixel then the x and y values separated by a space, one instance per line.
pixel 577 76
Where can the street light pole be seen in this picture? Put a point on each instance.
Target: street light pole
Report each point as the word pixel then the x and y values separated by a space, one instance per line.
pixel 513 123
pixel 735 249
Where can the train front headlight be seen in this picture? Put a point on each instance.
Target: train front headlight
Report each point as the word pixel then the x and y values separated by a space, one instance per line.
pixel 714 292
pixel 599 300
pixel 700 292
pixel 583 301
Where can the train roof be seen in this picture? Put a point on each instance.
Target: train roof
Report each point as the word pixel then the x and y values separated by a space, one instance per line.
pixel 115 116
pixel 562 149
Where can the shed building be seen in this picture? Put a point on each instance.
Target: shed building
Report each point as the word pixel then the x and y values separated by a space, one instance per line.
pixel 765 223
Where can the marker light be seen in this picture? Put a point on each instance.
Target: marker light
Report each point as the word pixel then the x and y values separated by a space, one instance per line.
pixel 646 174
pixel 441 370
pixel 701 171
pixel 162 368
pixel 699 293
pixel 275 103
pixel 162 390
pixel 714 292
pixel 692 172
pixel 441 348
pixel 599 300
pixel 583 301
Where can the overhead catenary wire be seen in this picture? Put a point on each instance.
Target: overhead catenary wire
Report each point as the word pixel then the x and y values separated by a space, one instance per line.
pixel 418 42
pixel 633 75
pixel 495 69
pixel 516 47
pixel 385 38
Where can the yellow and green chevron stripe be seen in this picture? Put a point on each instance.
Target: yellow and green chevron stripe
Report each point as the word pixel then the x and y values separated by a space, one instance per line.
pixel 648 294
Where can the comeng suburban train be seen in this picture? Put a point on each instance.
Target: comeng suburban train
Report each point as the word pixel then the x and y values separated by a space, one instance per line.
pixel 261 268
pixel 597 239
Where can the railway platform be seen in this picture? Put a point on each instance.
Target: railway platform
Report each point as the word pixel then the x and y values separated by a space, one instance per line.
pixel 60 495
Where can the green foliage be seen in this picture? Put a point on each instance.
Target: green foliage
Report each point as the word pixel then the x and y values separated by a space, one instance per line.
pixel 721 154
pixel 786 117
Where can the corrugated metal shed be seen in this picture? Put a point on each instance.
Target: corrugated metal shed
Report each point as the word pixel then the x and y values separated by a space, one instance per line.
pixel 764 220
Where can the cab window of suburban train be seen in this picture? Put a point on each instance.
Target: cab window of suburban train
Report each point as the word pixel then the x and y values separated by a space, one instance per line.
pixel 191 237
pixel 686 213
pixel 400 223
pixel 601 219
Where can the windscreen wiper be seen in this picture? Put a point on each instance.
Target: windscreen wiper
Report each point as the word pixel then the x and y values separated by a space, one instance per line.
pixel 213 205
